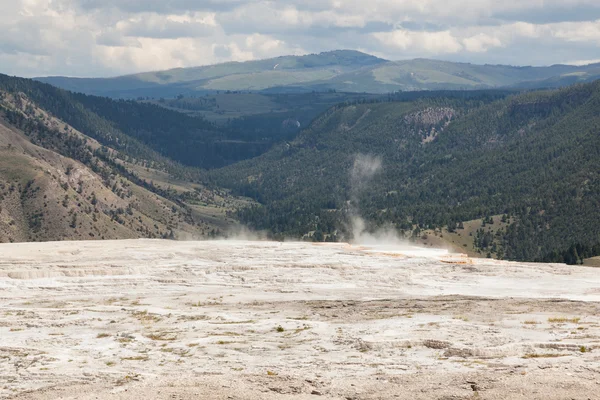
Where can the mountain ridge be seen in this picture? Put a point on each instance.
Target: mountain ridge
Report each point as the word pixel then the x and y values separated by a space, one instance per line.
pixel 338 70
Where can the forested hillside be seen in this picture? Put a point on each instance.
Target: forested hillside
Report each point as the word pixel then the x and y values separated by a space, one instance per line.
pixel 534 158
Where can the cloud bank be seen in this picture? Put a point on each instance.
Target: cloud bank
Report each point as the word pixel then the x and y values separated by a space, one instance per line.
pixel 113 37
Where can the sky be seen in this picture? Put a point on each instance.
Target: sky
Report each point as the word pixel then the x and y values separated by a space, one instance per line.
pixel 93 38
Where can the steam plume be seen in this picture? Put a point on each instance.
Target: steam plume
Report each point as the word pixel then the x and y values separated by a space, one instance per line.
pixel 364 169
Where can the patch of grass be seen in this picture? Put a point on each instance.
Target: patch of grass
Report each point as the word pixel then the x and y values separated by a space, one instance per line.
pixel 584 349
pixel 304 328
pixel 127 379
pixel 102 335
pixel 549 355
pixel 110 363
pixel 194 317
pixel 113 300
pixel 280 329
pixel 215 302
pixel 249 321
pixel 563 320
pixel 146 318
pixel 271 373
pixel 461 318
pixel 226 334
pixel 531 322
pixel 161 336
pixel 135 358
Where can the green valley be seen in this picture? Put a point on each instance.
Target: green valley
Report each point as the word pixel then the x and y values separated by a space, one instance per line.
pixel 509 173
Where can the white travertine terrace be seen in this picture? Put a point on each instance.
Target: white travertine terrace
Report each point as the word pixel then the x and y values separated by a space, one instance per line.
pixel 135 318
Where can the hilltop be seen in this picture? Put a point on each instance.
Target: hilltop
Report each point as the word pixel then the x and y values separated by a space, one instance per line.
pixel 340 70
pixel 250 75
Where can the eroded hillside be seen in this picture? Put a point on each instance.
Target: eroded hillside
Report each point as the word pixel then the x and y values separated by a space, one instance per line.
pixel 57 183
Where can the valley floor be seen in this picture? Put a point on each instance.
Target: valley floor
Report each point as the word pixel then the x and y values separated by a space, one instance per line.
pixel 258 320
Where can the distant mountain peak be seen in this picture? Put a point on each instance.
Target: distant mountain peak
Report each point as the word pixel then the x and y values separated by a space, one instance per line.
pixel 341 70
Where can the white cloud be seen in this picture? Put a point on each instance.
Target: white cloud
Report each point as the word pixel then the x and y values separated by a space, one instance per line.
pixel 578 32
pixel 108 37
pixel 421 42
pixel 151 25
pixel 481 43
pixel 263 43
pixel 582 62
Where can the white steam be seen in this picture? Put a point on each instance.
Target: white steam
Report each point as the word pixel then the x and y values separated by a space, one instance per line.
pixel 242 233
pixel 364 169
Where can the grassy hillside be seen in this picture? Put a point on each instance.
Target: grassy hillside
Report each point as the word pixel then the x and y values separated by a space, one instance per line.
pixel 534 157
pixel 467 237
pixel 339 60
pixel 250 75
pixel 342 70
pixel 57 183
pixel 423 74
